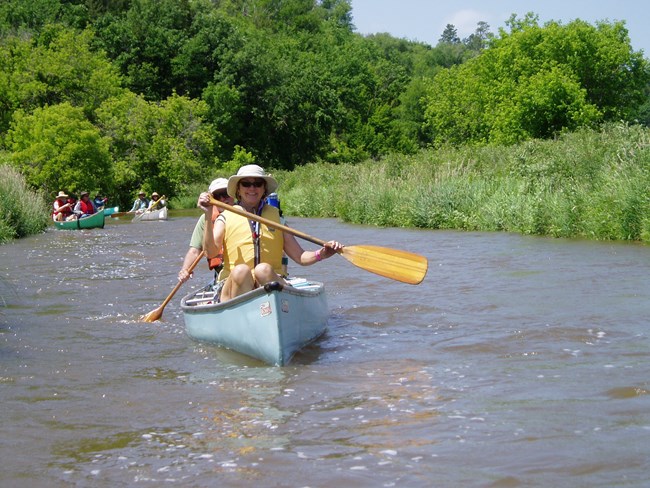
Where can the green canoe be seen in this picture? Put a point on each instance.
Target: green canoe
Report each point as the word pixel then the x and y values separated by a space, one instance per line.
pixel 93 221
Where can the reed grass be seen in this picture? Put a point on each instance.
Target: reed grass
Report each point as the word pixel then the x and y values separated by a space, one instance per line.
pixel 22 211
pixel 592 183
pixel 189 198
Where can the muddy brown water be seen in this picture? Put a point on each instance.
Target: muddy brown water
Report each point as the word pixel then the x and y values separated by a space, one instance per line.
pixel 519 361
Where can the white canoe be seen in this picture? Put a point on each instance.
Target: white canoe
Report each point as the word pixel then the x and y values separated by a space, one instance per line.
pixel 160 214
pixel 270 323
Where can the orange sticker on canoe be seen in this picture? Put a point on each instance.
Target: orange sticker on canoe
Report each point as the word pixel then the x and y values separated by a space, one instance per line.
pixel 265 309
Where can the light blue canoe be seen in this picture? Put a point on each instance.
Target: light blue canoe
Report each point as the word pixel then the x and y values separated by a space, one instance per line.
pixel 111 210
pixel 269 323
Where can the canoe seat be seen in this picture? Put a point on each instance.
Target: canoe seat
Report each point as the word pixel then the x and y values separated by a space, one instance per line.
pixel 202 298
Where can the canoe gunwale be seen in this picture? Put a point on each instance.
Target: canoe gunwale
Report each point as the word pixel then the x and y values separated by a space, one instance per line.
pixel 152 216
pixel 303 292
pixel 94 221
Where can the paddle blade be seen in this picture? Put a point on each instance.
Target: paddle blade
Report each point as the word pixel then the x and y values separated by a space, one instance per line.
pixel 152 316
pixel 391 263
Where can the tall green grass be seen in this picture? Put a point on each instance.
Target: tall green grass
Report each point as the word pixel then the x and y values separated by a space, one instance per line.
pixel 189 198
pixel 22 212
pixel 591 183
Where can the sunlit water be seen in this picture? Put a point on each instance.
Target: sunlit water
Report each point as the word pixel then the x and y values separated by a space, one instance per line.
pixel 519 361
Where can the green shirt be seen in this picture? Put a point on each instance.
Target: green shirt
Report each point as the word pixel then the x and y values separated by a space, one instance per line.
pixel 197 235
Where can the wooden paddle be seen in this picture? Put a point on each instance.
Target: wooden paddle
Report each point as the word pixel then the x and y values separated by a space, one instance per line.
pixel 157 313
pixel 391 263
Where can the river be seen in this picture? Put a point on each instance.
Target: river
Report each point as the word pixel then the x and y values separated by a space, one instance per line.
pixel 519 361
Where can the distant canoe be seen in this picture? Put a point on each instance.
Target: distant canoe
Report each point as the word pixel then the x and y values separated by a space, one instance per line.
pixel 270 323
pixel 117 215
pixel 160 214
pixel 93 221
pixel 111 210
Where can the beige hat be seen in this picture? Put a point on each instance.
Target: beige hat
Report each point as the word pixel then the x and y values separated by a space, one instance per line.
pixel 154 194
pixel 142 193
pixel 218 184
pixel 251 171
pixel 62 195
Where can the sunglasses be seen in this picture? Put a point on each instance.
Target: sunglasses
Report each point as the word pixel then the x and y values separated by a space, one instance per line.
pixel 256 183
pixel 220 195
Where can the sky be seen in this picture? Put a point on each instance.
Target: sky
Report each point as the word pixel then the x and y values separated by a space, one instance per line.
pixel 425 20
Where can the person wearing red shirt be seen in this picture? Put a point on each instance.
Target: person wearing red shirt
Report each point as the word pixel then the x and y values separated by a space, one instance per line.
pixel 61 208
pixel 84 206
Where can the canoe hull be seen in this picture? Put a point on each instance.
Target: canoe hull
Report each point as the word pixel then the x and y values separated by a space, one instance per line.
pixel 111 210
pixel 153 215
pixel 94 221
pixel 268 325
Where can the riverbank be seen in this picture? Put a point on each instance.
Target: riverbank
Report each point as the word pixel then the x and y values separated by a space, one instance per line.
pixel 590 184
pixel 22 211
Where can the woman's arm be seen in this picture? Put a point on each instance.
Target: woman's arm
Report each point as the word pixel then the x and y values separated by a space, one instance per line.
pixel 214 231
pixel 184 274
pixel 306 258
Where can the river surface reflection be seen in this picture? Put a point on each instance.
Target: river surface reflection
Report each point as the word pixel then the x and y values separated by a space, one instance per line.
pixel 519 361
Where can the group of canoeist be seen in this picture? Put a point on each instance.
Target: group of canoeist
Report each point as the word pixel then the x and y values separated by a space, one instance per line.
pixel 68 207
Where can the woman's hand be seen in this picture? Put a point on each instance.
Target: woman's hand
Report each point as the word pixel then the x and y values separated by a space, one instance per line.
pixel 330 249
pixel 184 275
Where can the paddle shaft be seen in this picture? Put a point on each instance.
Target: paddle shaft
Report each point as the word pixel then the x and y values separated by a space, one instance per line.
pixel 270 223
pixel 155 203
pixel 391 263
pixel 157 313
pixel 180 283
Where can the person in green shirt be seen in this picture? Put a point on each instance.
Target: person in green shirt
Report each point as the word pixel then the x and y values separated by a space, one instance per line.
pixel 219 190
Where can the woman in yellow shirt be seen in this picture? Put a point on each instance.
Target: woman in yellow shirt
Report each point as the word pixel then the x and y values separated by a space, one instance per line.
pixel 252 252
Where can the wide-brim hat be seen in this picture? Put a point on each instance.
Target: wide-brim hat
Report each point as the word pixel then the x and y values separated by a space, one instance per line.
pixel 142 193
pixel 155 194
pixel 62 195
pixel 218 184
pixel 84 193
pixel 251 171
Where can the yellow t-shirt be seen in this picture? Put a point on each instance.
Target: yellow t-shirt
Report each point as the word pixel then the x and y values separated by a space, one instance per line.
pixel 238 246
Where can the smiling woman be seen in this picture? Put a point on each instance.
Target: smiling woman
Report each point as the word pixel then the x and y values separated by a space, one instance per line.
pixel 253 251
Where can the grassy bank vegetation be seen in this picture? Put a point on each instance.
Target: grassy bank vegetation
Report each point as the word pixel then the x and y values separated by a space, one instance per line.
pixel 593 184
pixel 22 212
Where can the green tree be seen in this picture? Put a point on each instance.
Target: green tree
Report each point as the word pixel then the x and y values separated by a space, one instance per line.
pixel 212 40
pixel 537 81
pixel 449 35
pixel 57 148
pixel 479 40
pixel 144 41
pixel 162 147
pixel 57 66
pixel 19 15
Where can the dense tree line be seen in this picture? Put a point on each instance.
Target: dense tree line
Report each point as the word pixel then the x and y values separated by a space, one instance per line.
pixel 119 95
